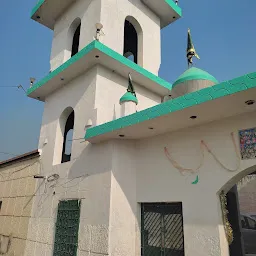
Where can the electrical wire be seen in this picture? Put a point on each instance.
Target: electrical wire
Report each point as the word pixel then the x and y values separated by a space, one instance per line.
pixel 10 174
pixel 82 176
pixel 6 153
pixel 2 86
pixel 18 86
pixel 37 161
pixel 76 139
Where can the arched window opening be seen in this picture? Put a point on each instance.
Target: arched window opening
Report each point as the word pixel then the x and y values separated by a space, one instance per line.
pixel 68 138
pixel 130 41
pixel 76 39
pixel 237 204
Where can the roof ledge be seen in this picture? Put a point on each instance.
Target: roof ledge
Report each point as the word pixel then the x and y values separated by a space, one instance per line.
pixel 46 12
pixel 196 108
pixel 97 53
pixel 167 10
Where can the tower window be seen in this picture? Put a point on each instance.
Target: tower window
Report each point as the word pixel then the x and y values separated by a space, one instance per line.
pixel 133 40
pixel 75 43
pixel 67 139
pixel 130 41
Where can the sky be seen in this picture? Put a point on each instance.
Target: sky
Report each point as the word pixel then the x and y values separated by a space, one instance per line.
pixel 223 33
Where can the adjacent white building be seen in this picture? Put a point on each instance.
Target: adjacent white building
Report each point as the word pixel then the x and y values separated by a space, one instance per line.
pixel 133 172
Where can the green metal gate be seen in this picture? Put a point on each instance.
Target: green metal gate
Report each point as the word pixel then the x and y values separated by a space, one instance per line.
pixel 162 229
pixel 67 226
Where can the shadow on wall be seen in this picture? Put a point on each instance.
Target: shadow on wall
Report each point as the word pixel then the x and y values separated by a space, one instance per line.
pixel 65 29
pixel 145 10
pixel 59 105
pixel 108 157
pixel 94 159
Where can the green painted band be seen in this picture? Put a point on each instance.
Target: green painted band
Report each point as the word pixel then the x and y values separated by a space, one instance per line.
pixel 194 98
pixel 174 6
pixel 36 7
pixel 111 53
pixel 128 97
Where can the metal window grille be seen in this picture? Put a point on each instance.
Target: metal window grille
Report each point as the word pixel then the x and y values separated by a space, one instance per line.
pixel 67 226
pixel 162 229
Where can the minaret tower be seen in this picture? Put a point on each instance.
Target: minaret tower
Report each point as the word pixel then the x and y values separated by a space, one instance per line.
pixel 96 44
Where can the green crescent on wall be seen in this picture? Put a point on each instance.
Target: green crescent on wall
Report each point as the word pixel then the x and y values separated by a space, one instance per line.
pixel 196 180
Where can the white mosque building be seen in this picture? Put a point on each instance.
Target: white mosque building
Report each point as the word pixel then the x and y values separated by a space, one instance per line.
pixel 151 162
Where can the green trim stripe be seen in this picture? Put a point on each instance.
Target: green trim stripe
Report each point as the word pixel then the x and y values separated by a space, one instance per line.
pixel 36 7
pixel 106 50
pixel 111 53
pixel 195 98
pixel 61 68
pixel 171 3
pixel 174 6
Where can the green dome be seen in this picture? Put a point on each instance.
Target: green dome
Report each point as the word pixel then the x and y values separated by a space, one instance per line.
pixel 194 74
pixel 129 97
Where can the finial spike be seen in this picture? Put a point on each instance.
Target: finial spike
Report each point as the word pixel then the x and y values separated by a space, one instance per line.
pixel 130 85
pixel 191 52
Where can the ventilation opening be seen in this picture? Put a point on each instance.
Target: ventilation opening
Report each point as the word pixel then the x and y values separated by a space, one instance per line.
pixel 1 202
pixel 76 39
pixel 68 138
pixel 130 42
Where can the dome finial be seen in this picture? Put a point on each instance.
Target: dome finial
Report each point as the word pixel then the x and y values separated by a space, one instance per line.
pixel 130 85
pixel 191 52
pixel 130 95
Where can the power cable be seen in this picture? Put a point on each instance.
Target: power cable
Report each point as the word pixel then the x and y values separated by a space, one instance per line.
pixel 18 86
pixel 6 153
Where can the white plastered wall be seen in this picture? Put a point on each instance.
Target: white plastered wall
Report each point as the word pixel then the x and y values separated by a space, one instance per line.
pixel 79 95
pixel 112 15
pixel 89 175
pixel 112 178
pixel 124 226
pixel 158 181
pixel 110 88
pixel 86 177
pixel 89 13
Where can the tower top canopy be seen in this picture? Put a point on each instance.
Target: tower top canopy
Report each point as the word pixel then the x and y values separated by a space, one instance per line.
pixel 167 10
pixel 46 12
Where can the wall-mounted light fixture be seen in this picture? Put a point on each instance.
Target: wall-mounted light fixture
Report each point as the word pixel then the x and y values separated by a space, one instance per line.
pixel 99 31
